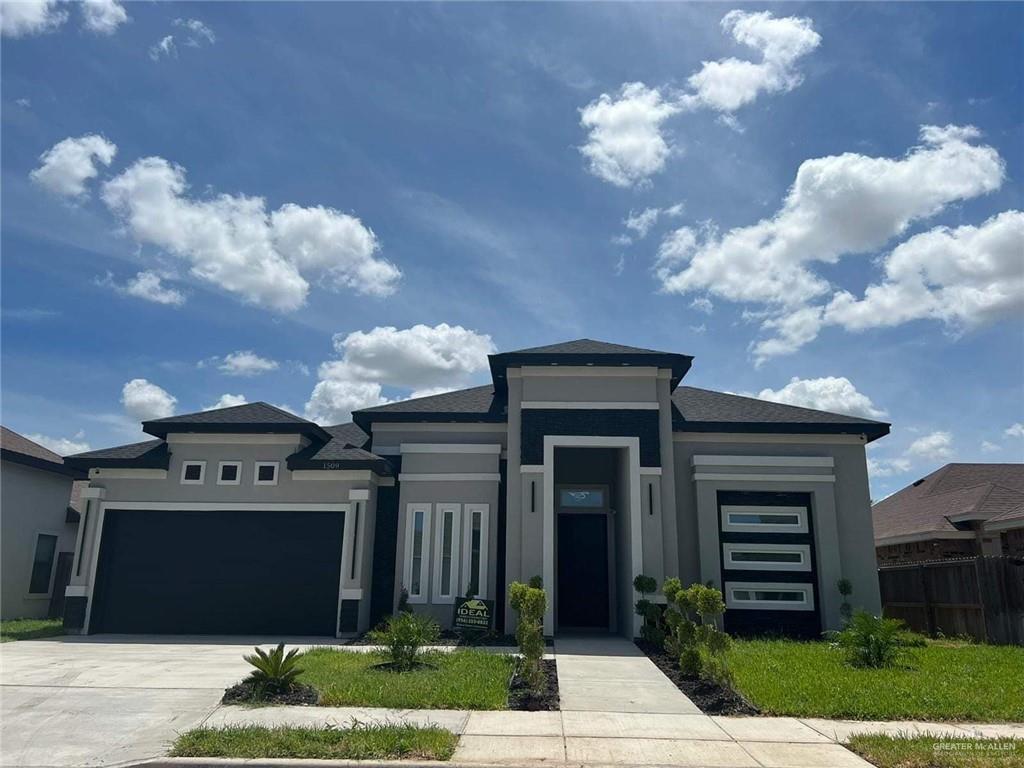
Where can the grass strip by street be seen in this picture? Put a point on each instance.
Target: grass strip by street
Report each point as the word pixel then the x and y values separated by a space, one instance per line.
pixel 463 679
pixel 943 681
pixel 28 629
pixel 938 752
pixel 357 742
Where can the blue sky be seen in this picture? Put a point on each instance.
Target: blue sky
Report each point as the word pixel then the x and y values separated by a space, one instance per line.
pixel 369 198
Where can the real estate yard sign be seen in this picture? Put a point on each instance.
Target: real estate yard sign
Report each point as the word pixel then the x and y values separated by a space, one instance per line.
pixel 473 614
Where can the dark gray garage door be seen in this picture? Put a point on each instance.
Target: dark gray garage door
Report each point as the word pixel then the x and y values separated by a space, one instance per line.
pixel 218 572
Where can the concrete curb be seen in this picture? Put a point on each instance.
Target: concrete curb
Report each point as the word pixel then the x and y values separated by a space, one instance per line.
pixel 230 762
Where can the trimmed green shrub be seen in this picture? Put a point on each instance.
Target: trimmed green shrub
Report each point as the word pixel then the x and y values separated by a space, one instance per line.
pixel 530 601
pixel 403 637
pixel 694 638
pixel 274 671
pixel 652 630
pixel 874 642
pixel 403 601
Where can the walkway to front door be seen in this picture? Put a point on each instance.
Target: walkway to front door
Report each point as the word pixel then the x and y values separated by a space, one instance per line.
pixel 610 674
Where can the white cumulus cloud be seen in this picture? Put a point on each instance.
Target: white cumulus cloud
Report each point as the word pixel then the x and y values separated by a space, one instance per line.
pixel 937 446
pixel 887 467
pixel 838 206
pixel 103 16
pixel 21 18
pixel 226 401
pixel 66 166
pixel 1014 430
pixel 196 32
pixel 422 359
pixel 987 446
pixel 625 144
pixel 143 400
pixel 164 48
pixel 62 446
pixel 231 241
pixel 246 363
pixel 836 394
pixel 147 285
pixel 728 84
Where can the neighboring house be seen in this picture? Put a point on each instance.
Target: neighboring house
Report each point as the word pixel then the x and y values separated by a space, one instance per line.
pixel 960 510
pixel 38 526
pixel 584 463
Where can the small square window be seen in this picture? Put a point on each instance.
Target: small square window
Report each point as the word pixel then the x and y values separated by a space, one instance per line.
pixel 229 473
pixel 266 473
pixel 193 472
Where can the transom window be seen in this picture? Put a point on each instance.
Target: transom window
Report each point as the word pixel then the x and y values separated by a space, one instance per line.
pixel 229 473
pixel 42 564
pixel 266 473
pixel 582 497
pixel 193 472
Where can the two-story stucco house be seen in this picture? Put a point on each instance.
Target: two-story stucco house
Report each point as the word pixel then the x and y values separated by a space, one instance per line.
pixel 585 463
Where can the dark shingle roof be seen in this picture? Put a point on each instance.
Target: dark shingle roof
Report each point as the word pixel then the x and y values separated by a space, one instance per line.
pixel 463 405
pixel 707 410
pixel 149 454
pixel 21 450
pixel 586 347
pixel 979 491
pixel 349 434
pixel 343 451
pixel 251 417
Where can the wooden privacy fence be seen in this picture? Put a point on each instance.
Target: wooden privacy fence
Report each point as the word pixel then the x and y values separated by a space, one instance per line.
pixel 980 597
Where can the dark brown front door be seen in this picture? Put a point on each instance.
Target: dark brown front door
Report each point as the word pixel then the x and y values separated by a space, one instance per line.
pixel 583 571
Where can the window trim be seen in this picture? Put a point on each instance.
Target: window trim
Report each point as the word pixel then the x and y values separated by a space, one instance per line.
pixel 483 579
pixel 728 548
pixel 29 594
pixel 452 586
pixel 767 509
pixel 202 472
pixel 220 471
pixel 411 510
pixel 256 472
pixel 770 605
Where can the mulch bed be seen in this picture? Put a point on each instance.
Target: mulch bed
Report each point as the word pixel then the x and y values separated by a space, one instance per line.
pixel 712 698
pixel 245 693
pixel 449 638
pixel 522 699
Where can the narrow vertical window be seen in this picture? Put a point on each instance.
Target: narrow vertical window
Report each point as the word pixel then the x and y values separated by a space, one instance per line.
pixel 417 551
pixel 475 543
pixel 42 564
pixel 416 588
pixel 447 546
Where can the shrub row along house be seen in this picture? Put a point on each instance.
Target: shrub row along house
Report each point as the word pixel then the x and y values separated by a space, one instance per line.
pixel 584 463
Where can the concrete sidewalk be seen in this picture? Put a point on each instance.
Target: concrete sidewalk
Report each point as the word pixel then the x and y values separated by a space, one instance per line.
pixel 625 738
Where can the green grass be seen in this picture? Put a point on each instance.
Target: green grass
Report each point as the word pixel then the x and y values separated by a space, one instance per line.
pixel 936 752
pixel 360 742
pixel 466 679
pixel 26 629
pixel 945 681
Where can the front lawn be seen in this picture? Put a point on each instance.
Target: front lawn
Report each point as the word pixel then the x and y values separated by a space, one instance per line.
pixel 360 742
pixel 936 752
pixel 466 679
pixel 946 681
pixel 27 629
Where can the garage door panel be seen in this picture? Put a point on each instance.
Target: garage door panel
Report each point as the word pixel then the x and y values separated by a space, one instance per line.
pixel 218 572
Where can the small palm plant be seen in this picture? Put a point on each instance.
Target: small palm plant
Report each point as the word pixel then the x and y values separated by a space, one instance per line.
pixel 275 671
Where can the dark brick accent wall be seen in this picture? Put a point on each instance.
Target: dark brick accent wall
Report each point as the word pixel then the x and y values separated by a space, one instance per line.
pixel 385 544
pixel 349 619
pixel 536 423
pixel 74 612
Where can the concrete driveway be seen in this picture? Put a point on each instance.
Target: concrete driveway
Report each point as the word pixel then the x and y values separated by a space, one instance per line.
pixel 104 700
